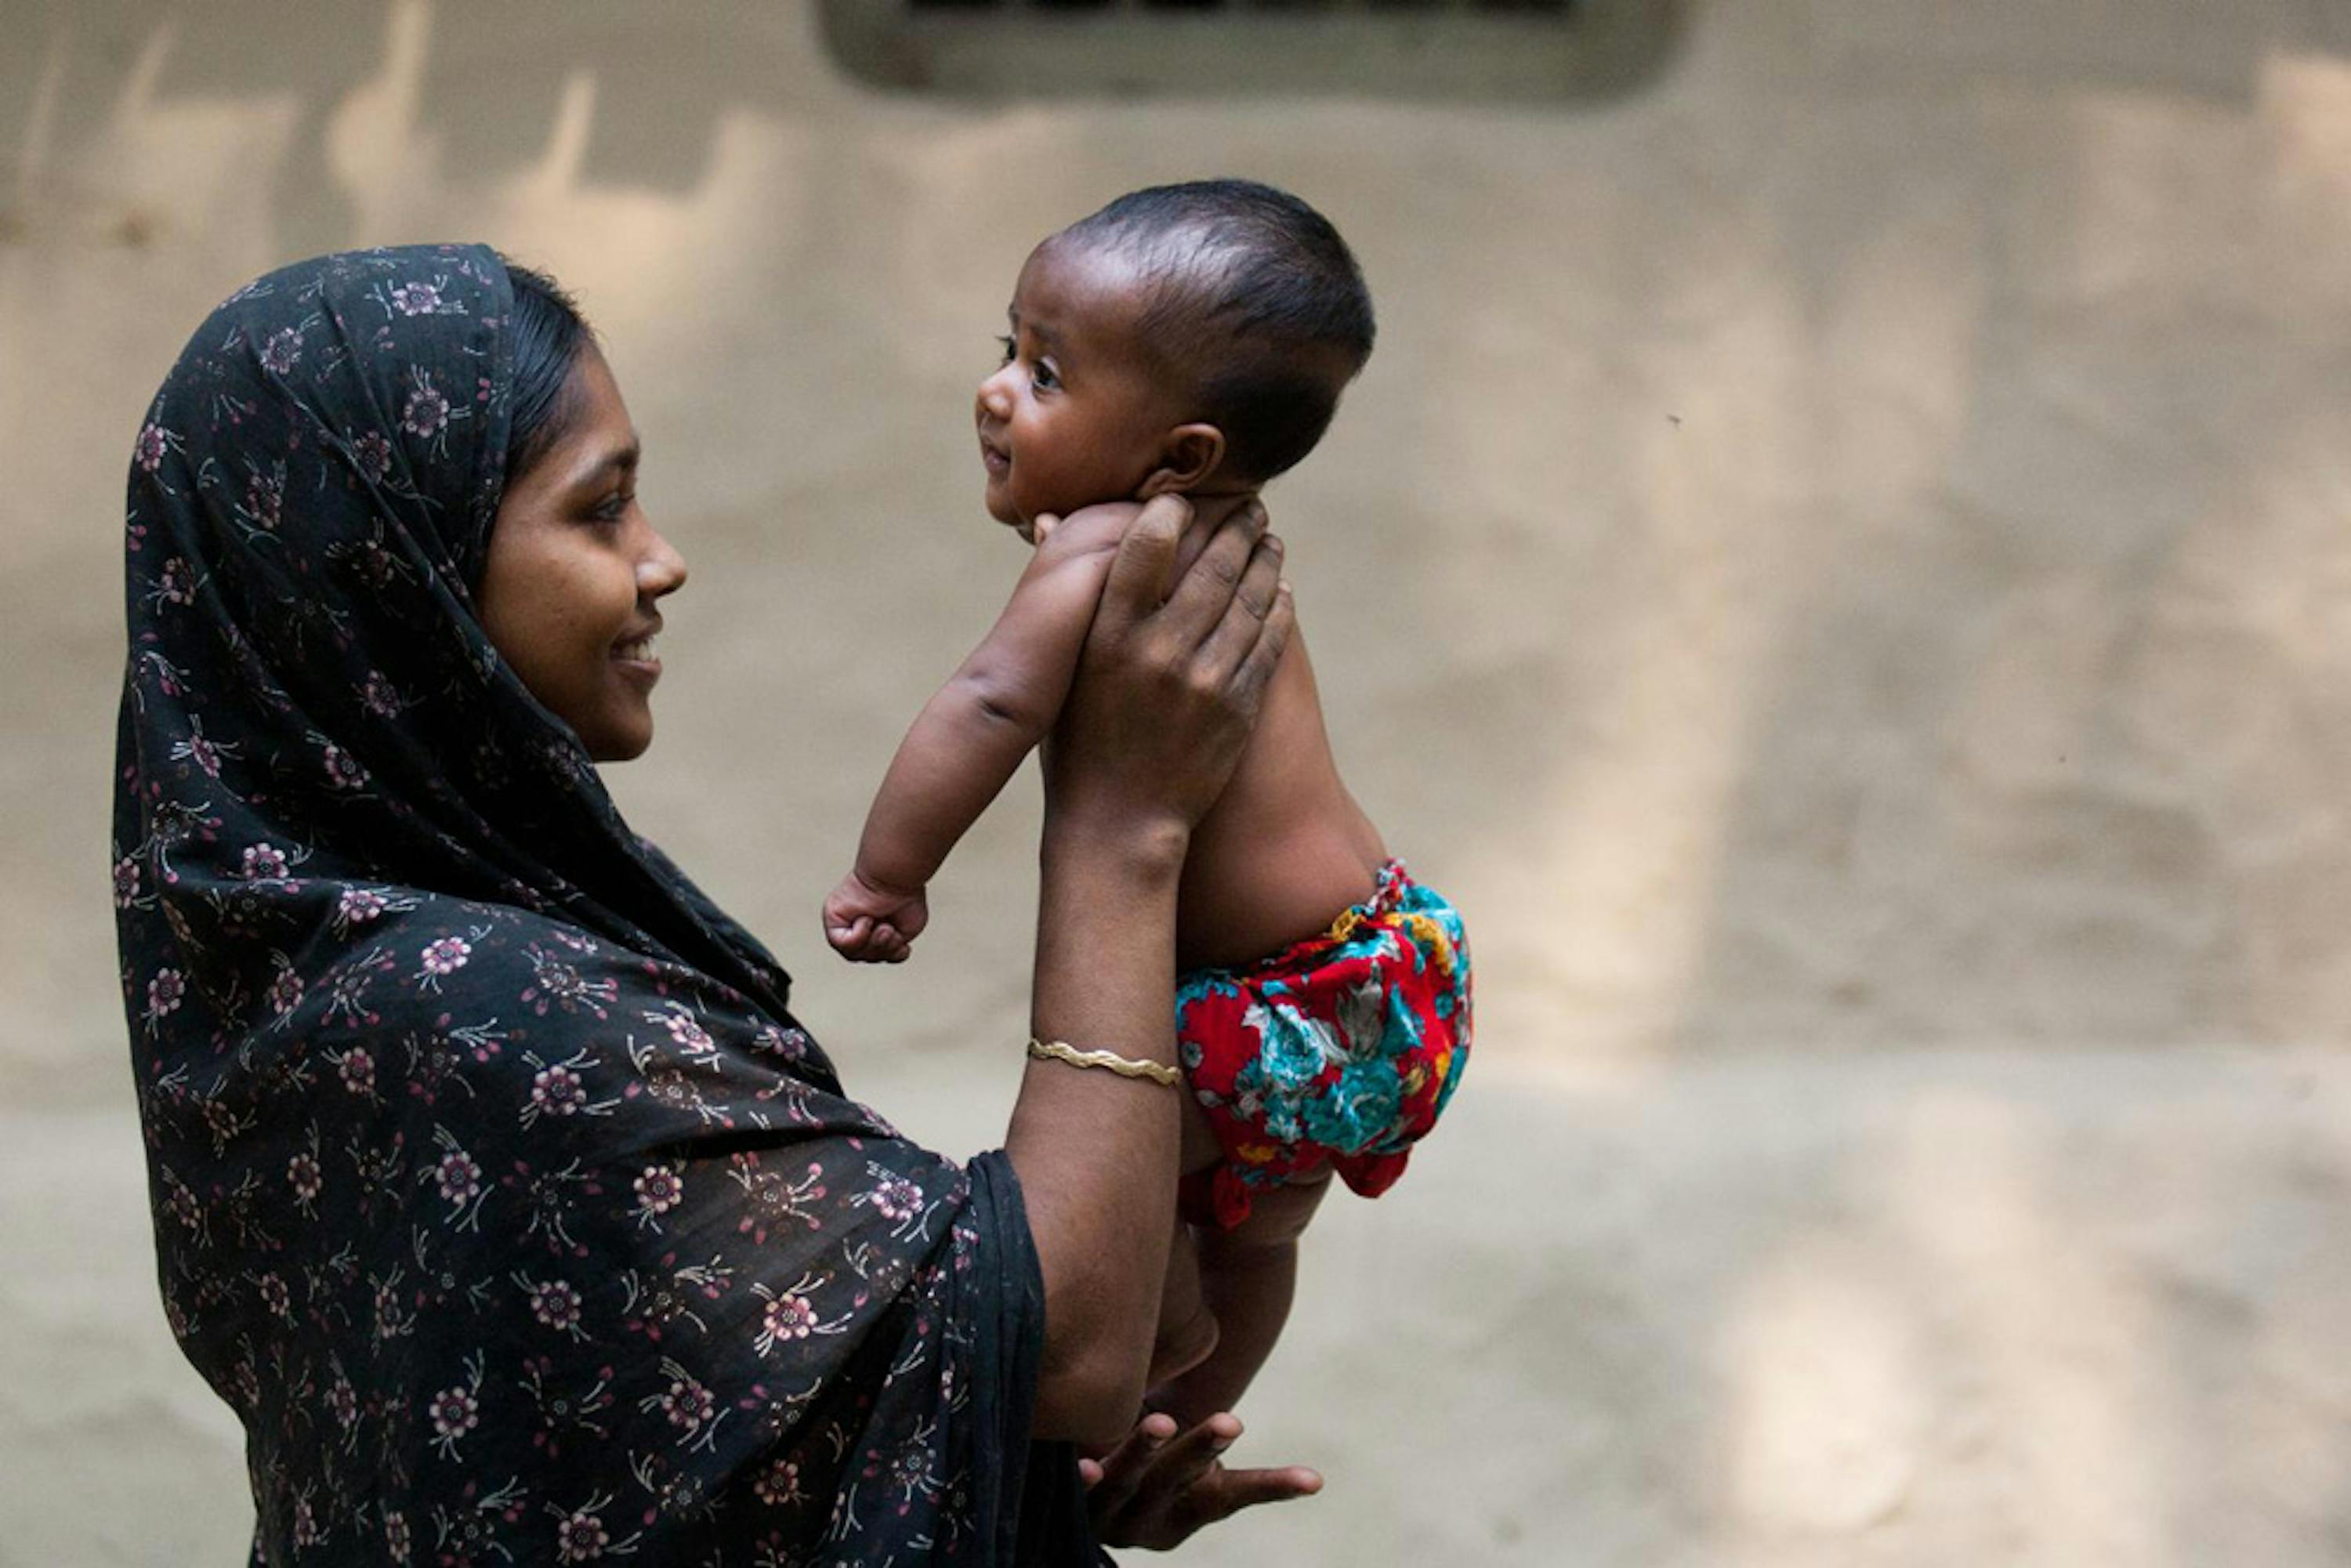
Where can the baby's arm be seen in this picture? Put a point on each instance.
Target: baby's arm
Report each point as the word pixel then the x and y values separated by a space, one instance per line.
pixel 970 736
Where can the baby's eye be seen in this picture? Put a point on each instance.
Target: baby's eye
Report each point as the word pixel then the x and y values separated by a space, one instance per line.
pixel 1005 345
pixel 1042 378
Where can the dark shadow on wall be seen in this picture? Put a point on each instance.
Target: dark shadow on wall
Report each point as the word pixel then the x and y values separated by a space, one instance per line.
pixel 1539 53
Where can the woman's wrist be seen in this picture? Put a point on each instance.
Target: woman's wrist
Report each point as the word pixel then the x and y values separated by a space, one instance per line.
pixel 1149 848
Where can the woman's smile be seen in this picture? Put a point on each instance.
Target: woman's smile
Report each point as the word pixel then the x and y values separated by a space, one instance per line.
pixel 573 571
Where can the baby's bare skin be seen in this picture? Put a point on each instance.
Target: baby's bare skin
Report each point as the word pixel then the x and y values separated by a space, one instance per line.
pixel 1087 405
pixel 1284 850
pixel 1280 855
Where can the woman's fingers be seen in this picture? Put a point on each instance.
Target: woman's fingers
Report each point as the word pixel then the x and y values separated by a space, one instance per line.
pixel 1242 627
pixel 1187 1456
pixel 1143 570
pixel 1234 1490
pixel 1199 602
pixel 1273 639
pixel 1158 1488
pixel 1121 1469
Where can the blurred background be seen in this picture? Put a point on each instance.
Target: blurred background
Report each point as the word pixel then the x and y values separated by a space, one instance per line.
pixel 1838 565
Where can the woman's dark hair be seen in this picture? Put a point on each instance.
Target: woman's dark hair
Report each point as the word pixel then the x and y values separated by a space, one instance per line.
pixel 547 333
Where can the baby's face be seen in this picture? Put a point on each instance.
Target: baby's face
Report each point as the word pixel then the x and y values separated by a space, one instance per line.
pixel 1073 415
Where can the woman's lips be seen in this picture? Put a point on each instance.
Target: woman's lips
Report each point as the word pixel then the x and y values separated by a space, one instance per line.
pixel 637 658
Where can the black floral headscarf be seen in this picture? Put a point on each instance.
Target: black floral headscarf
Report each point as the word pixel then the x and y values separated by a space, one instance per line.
pixel 495 1186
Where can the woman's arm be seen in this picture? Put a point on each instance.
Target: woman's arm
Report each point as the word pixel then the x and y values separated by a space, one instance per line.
pixel 970 736
pixel 1168 687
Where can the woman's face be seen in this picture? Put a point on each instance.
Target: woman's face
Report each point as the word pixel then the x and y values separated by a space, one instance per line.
pixel 574 569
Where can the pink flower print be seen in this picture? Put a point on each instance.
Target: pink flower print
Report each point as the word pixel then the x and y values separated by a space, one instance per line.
pixel 416 299
pixel 380 697
pixel 358 1072
pixel 275 1296
pixel 778 1484
pixel 265 498
pixel 787 1317
pixel 164 992
pixel 455 1412
pixel 447 956
pixel 203 754
pixel 558 1090
pixel 125 883
pixel 176 583
pixel 264 862
pixel 372 452
pixel 221 1121
pixel 897 1197
pixel 659 1190
pixel 687 1032
pixel 342 1401
pixel 304 1176
pixel 343 770
pixel 556 1305
pixel 279 354
pixel 688 1404
pixel 791 1044
pixel 306 1523
pixel 285 993
pixel 152 443
pixel 395 1534
pixel 460 1177
pixel 181 1204
pixel 427 411
pixel 580 1537
pixel 359 906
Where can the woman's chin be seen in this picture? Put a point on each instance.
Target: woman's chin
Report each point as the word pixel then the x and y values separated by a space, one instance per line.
pixel 622 741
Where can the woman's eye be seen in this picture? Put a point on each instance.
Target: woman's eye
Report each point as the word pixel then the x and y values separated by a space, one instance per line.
pixel 612 509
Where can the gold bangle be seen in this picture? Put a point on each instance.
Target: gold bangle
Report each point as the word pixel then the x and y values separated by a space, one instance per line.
pixel 1124 1066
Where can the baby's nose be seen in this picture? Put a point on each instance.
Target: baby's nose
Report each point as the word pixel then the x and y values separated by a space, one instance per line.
pixel 996 394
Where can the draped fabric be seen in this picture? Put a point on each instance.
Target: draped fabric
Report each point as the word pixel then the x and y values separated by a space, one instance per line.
pixel 496 1187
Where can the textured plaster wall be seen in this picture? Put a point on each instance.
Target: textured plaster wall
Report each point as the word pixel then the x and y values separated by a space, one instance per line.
pixel 1839 564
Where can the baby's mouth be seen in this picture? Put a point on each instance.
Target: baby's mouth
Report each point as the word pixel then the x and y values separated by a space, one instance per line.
pixel 997 461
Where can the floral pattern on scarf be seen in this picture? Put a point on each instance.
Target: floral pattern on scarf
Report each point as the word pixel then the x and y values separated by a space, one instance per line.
pixel 496 1187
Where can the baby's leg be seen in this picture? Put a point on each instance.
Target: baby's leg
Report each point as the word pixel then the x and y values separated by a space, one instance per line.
pixel 1187 1328
pixel 1246 1277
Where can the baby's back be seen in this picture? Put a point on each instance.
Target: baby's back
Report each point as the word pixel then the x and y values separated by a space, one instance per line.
pixel 1285 849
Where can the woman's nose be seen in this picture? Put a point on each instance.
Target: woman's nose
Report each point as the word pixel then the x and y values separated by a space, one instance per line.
pixel 660 569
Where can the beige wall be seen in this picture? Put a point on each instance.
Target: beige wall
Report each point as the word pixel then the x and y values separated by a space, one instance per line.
pixel 1838 564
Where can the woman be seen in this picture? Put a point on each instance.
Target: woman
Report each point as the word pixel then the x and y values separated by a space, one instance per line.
pixel 496 1187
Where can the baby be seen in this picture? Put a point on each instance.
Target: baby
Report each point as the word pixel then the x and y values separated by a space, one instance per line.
pixel 1194 339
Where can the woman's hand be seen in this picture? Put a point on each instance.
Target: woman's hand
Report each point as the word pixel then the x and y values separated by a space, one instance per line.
pixel 1156 1488
pixel 1172 674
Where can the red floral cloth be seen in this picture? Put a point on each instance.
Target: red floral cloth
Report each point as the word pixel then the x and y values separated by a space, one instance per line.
pixel 1339 1050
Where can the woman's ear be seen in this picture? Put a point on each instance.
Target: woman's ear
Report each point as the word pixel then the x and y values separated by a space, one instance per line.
pixel 1188 456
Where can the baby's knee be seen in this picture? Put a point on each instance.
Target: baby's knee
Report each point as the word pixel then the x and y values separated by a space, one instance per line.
pixel 1183 1344
pixel 1278 1215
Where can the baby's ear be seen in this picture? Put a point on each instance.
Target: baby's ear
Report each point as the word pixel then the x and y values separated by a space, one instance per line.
pixel 1188 456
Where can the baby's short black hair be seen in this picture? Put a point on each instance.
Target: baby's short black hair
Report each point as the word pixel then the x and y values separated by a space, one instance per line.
pixel 1255 297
